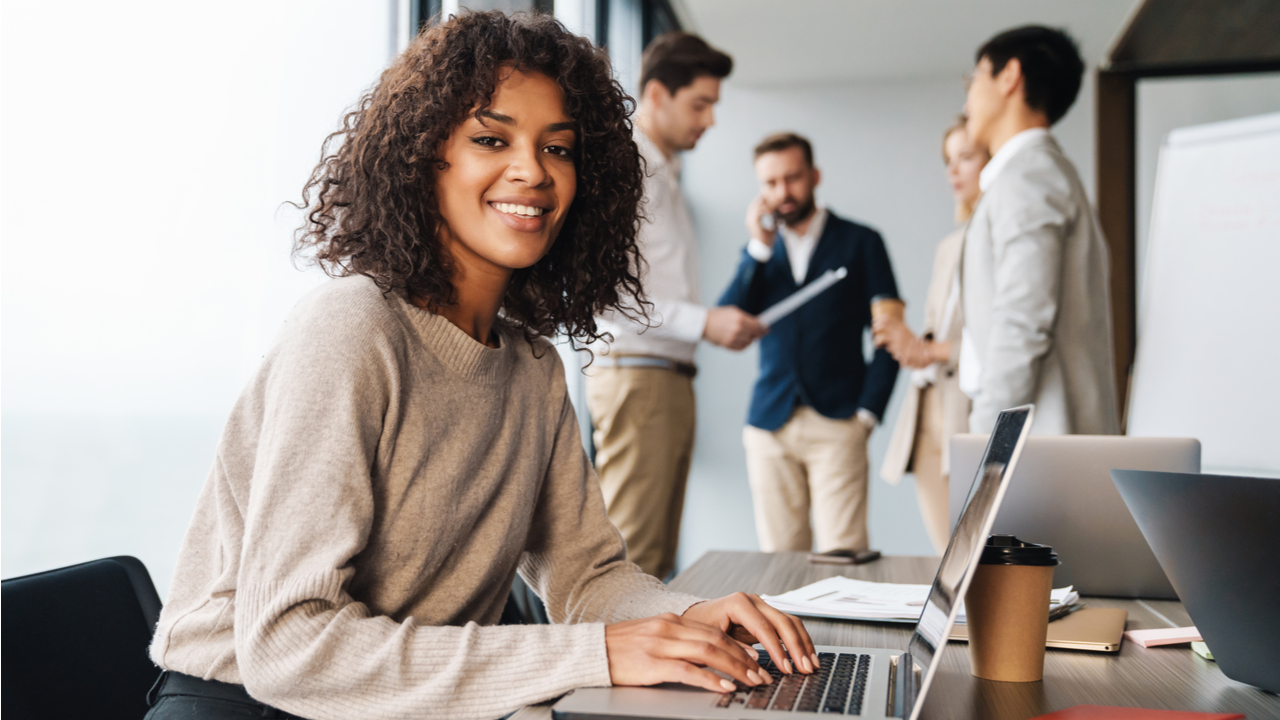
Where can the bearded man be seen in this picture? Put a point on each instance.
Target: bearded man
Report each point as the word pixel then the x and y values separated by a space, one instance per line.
pixel 817 398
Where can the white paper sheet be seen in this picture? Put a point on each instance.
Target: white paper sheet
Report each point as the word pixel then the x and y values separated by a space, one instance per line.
pixel 847 598
pixel 792 302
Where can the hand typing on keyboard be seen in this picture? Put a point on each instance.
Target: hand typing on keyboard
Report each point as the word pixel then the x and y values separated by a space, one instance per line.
pixel 686 649
pixel 838 687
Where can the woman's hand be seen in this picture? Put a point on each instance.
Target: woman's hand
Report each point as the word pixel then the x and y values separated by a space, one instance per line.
pixel 670 648
pixel 893 335
pixel 750 620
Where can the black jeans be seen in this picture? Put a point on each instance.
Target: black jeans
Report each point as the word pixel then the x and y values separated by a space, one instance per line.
pixel 183 697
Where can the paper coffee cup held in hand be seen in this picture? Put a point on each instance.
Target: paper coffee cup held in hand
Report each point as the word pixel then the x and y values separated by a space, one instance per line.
pixel 884 306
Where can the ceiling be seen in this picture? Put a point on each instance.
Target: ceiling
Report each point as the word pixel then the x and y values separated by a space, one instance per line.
pixel 791 42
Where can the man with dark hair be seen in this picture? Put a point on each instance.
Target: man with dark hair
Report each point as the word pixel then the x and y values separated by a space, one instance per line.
pixel 1034 272
pixel 817 400
pixel 640 388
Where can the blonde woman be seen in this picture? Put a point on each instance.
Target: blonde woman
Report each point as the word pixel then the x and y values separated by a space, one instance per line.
pixel 934 407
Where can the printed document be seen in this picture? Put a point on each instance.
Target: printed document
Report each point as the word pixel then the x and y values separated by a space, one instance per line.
pixel 850 599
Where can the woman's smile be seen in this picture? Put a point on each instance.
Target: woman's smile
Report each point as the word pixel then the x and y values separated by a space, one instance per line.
pixel 521 215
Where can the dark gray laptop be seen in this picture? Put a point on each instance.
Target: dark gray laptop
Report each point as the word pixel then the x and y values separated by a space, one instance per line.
pixel 1063 497
pixel 868 682
pixel 1218 539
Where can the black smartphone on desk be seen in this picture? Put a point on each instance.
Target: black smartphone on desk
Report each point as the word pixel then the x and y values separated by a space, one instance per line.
pixel 844 557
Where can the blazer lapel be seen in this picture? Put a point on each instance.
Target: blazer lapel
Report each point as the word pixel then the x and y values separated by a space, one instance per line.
pixel 823 251
pixel 781 257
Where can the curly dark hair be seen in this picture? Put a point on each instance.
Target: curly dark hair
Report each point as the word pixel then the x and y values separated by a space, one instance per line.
pixel 375 210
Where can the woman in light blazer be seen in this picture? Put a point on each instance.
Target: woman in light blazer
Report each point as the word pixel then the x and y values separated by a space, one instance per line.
pixel 934 408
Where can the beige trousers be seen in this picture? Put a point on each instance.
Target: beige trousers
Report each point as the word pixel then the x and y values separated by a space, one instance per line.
pixel 811 462
pixel 644 420
pixel 926 464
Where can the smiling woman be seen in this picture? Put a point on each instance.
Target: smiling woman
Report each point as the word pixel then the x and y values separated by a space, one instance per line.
pixel 379 198
pixel 408 445
pixel 506 186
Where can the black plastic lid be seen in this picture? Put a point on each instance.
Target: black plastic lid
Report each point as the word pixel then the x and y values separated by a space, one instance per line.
pixel 1009 550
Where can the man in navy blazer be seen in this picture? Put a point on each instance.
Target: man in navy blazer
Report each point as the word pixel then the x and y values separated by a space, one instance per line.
pixel 817 399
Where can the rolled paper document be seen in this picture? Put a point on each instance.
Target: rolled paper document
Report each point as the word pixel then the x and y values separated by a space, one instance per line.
pixel 789 304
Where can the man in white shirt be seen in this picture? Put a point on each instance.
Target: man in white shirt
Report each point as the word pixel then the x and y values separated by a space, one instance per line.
pixel 640 387
pixel 1034 268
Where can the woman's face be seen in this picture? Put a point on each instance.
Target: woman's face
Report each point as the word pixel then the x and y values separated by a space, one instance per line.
pixel 510 178
pixel 964 164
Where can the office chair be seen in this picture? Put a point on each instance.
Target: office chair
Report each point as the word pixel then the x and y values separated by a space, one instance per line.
pixel 75 642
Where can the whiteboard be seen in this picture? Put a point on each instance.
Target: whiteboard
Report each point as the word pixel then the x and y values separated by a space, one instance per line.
pixel 1208 352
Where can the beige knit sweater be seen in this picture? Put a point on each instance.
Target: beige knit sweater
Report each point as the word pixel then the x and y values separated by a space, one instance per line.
pixel 376 488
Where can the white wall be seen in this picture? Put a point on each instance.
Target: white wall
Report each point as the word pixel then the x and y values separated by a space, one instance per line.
pixel 879 147
pixel 147 150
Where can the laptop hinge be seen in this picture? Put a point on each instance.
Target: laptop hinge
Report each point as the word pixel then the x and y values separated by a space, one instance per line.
pixel 903 686
pixel 893 699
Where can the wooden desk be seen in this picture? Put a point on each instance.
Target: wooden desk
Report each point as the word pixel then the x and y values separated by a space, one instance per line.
pixel 1172 678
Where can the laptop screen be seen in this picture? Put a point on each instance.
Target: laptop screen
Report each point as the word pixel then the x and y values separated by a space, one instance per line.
pixel 965 549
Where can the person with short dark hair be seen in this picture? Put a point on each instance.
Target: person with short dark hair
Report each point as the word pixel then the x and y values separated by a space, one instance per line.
pixel 408 444
pixel 640 387
pixel 1034 282
pixel 817 400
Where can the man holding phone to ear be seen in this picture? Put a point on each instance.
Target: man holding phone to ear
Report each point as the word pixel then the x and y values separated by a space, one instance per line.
pixel 817 399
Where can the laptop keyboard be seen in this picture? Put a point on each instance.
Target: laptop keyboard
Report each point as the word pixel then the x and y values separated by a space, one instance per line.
pixel 838 687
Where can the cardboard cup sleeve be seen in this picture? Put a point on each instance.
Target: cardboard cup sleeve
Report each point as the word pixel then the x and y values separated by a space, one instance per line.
pixel 1007 609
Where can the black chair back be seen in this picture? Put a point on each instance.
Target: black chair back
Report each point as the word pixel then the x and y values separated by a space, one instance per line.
pixel 75 642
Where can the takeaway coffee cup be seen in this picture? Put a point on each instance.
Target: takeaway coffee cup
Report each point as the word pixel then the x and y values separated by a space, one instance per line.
pixel 887 306
pixel 1007 609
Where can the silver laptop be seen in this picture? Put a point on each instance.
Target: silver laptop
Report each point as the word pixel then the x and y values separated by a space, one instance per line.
pixel 867 682
pixel 1064 497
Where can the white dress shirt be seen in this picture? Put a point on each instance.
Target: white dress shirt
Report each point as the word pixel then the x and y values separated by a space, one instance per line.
pixel 799 247
pixel 669 247
pixel 970 363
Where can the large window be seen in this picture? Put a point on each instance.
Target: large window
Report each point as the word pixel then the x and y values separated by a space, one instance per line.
pixel 147 150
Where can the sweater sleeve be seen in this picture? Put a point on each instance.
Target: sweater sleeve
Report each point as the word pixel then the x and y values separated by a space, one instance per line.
pixel 302 642
pixel 575 558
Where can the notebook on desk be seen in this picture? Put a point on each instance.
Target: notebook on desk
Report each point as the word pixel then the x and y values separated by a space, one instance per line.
pixel 1094 629
pixel 868 682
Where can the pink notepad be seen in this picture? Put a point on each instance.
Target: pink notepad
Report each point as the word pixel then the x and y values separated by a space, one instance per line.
pixel 1163 636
